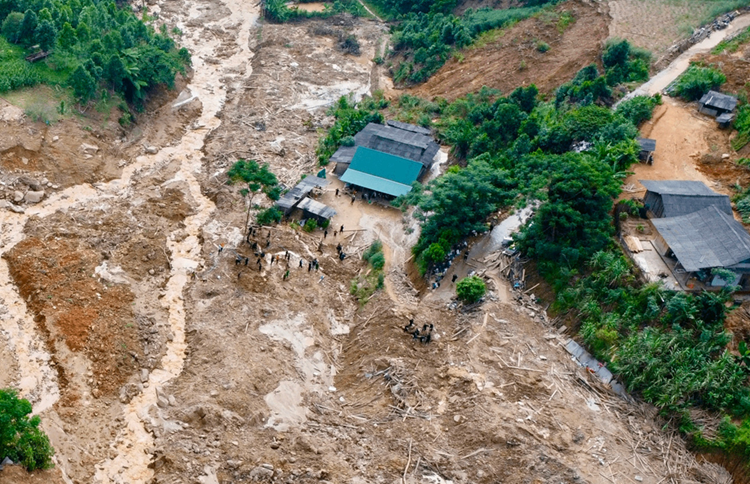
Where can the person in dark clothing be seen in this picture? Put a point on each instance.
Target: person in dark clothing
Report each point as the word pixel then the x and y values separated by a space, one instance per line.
pixel 339 248
pixel 247 259
pixel 353 198
pixel 300 263
pixel 260 265
pixel 221 247
pixel 238 275
pixel 455 276
pixel 337 192
pixel 309 266
pixel 286 274
pixel 325 234
pixel 268 243
pixel 341 230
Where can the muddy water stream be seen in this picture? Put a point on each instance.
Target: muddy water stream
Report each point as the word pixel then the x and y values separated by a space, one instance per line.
pixel 134 445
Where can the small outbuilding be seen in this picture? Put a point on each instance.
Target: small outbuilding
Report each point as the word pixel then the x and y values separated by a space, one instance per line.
pixel 716 104
pixel 647 147
pixel 293 197
pixel 674 198
pixel 316 210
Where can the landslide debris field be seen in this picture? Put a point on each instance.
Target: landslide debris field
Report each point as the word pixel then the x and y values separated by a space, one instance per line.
pixel 154 357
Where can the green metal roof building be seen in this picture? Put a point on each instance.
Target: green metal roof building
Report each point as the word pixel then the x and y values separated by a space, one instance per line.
pixel 381 172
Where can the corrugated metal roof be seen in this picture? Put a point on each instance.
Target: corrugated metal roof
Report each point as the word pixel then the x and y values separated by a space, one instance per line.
pixel 673 198
pixel 408 127
pixel 300 191
pixel 382 172
pixel 375 183
pixel 647 144
pixel 316 208
pixel 705 239
pixel 677 187
pixel 718 100
pixel 414 143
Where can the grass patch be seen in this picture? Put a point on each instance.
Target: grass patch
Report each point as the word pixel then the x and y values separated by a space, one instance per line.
pixel 734 44
pixel 364 286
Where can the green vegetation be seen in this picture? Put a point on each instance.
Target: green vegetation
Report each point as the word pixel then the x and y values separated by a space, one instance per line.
pixel 278 11
pixel 423 42
pixel 622 63
pixel 310 225
pixel 364 286
pixel 97 47
pixel 256 176
pixel 470 289
pixel 269 216
pixel 351 118
pixel 21 439
pixel 697 81
pixel 742 125
pixel 639 108
pixel 732 45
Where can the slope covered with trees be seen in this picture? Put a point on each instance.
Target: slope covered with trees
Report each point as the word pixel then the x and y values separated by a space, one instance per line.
pixel 570 155
pixel 97 48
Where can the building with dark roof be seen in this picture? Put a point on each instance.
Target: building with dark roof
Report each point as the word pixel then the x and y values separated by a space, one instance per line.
pixel 704 240
pixel 297 198
pixel 673 198
pixel 715 103
pixel 395 138
pixel 646 146
pixel 382 172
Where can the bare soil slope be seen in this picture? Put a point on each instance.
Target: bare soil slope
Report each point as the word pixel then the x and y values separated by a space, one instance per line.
pixel 513 59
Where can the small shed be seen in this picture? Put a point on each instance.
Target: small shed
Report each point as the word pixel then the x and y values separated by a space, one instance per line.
pixel 673 198
pixel 725 120
pixel 289 201
pixel 314 209
pixel 715 103
pixel 647 147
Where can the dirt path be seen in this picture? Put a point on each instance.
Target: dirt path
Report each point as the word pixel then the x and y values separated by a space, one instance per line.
pixel 664 78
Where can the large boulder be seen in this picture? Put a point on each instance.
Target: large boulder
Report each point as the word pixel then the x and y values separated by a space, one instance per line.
pixel 34 196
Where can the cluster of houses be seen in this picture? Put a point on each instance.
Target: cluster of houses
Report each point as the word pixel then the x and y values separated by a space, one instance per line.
pixel 694 232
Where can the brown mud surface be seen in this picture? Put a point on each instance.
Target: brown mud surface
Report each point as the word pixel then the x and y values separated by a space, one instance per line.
pixel 513 59
pixel 155 358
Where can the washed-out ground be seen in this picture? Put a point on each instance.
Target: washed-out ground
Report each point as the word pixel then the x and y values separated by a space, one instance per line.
pixel 153 357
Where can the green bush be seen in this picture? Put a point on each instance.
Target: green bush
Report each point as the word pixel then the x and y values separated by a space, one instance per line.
pixel 470 289
pixel 542 46
pixel 697 81
pixel 269 216
pixel 638 109
pixel 310 225
pixel 21 439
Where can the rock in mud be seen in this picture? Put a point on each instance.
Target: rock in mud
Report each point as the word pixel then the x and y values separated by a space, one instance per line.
pixel 34 196
pixel 87 148
pixel 162 402
pixel 260 474
pixel 151 150
pixel 144 375
pixel 30 182
pixel 17 196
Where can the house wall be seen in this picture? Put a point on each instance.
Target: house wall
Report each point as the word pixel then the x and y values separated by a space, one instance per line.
pixel 661 244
